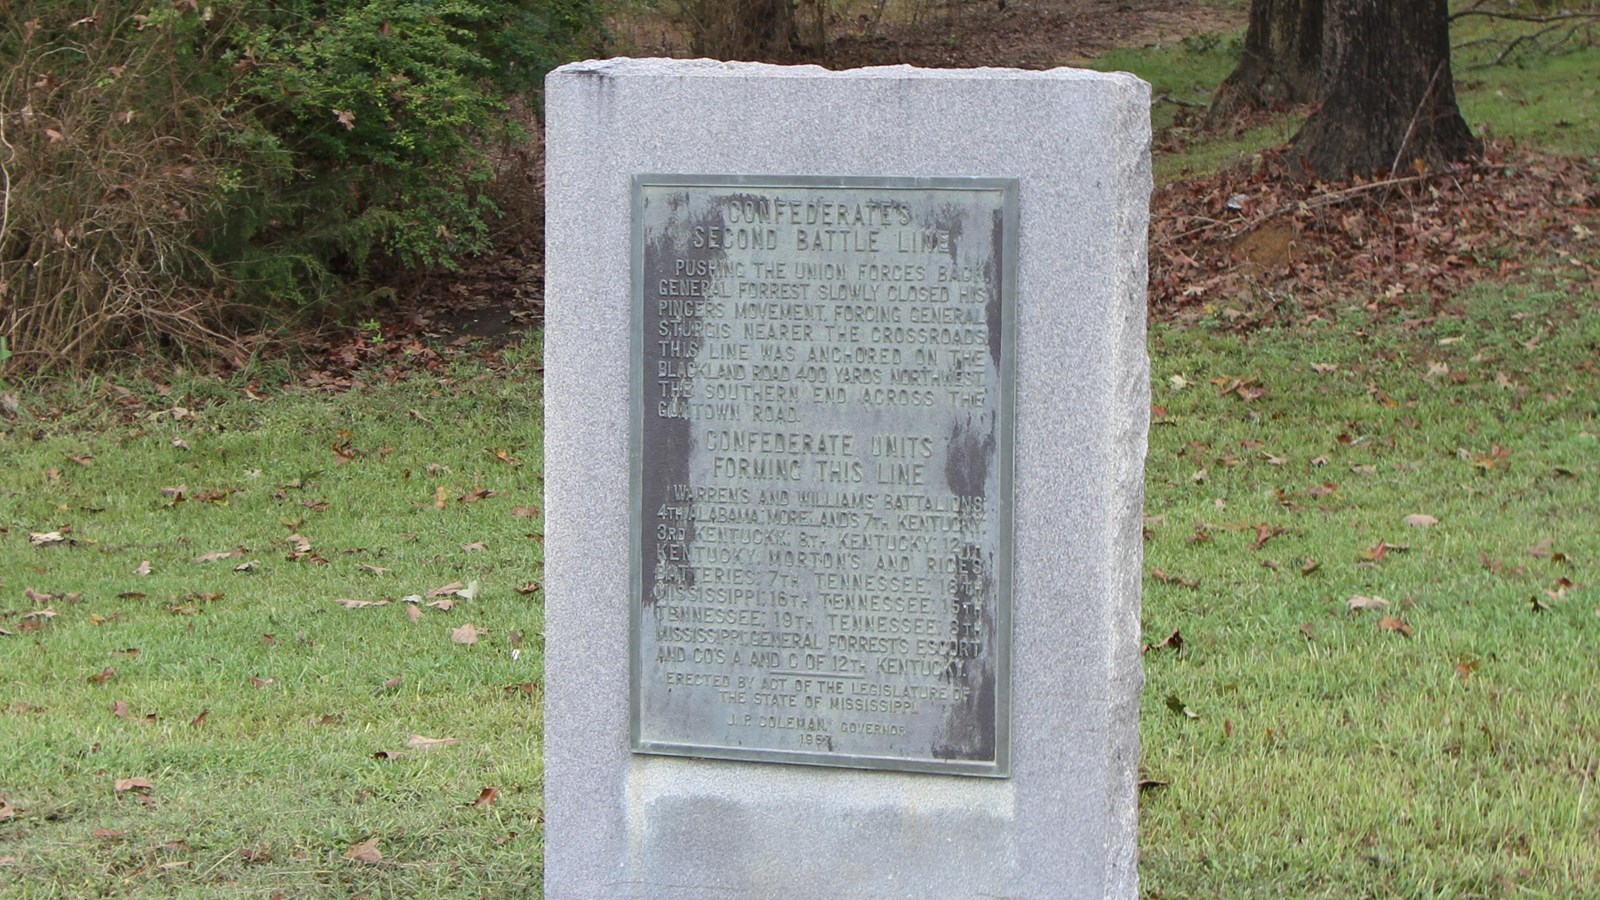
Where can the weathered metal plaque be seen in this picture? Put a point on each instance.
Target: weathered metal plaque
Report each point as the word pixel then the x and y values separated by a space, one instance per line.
pixel 822 431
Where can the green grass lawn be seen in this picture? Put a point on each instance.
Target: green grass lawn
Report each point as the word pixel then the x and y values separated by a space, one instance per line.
pixel 1446 741
pixel 1443 743
pixel 261 712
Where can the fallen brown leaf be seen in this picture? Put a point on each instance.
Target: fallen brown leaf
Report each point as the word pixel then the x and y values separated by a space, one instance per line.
pixel 1381 549
pixel 1421 520
pixel 124 785
pixel 418 742
pixel 486 796
pixel 366 852
pixel 450 588
pixel 466 634
pixel 1264 533
pixel 1358 603
pixel 103 676
pixel 1390 623
pixel 348 603
pixel 199 720
pixel 1173 642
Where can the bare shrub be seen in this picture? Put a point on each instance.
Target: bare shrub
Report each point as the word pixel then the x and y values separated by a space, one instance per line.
pixel 106 175
pixel 517 189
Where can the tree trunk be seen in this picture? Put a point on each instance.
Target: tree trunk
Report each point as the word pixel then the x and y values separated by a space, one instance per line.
pixel 1391 100
pixel 760 30
pixel 1282 61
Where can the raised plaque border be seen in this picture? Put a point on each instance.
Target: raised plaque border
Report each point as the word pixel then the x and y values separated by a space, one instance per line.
pixel 1009 187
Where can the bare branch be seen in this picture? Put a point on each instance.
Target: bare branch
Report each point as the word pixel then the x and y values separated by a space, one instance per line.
pixel 1522 17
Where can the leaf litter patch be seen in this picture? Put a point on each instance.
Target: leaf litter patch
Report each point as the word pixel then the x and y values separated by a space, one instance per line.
pixel 1238 244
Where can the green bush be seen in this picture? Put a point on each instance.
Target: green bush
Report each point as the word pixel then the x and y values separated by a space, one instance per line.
pixel 170 166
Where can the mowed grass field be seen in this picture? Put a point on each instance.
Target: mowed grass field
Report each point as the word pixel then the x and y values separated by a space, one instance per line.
pixel 186 705
pixel 260 639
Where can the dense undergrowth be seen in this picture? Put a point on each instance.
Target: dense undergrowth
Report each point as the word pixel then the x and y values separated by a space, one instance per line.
pixel 175 170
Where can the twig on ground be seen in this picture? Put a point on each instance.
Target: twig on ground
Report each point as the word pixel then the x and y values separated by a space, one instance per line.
pixel 1168 98
pixel 1329 198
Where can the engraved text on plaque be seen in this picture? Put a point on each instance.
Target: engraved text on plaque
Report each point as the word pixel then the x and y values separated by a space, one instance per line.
pixel 821 470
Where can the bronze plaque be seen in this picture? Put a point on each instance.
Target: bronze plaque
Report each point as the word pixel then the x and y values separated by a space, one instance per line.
pixel 822 432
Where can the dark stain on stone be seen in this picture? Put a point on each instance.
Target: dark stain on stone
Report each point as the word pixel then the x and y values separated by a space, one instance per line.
pixel 668 442
pixel 993 277
pixel 969 728
pixel 948 217
pixel 966 467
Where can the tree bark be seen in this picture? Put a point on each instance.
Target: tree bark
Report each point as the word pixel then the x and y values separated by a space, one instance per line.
pixel 1282 61
pixel 1391 100
pixel 760 30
